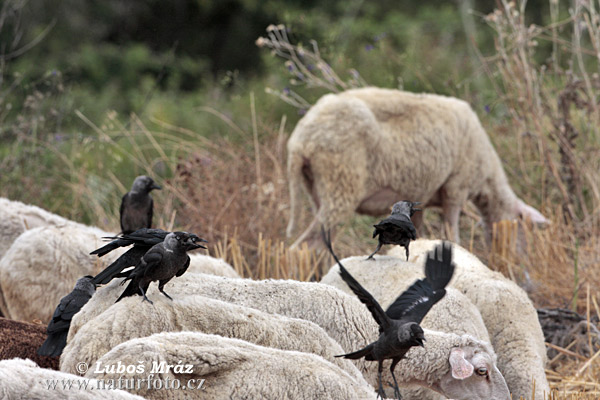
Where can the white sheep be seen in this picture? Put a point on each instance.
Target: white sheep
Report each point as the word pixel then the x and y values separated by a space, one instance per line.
pixel 131 318
pixel 42 266
pixel 342 317
pixel 362 150
pixel 507 312
pixel 200 263
pixel 227 368
pixel 23 379
pixel 455 313
pixel 17 217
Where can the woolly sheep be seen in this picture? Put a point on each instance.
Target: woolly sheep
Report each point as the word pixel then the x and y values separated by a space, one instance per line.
pixel 343 317
pixel 131 318
pixel 23 379
pixel 200 263
pixel 232 369
pixel 22 339
pixel 42 266
pixel 17 217
pixel 507 312
pixel 365 149
pixel 455 313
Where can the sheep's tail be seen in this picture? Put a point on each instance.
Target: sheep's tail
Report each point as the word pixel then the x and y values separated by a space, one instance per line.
pixel 295 166
pixel 53 345
pixel 366 352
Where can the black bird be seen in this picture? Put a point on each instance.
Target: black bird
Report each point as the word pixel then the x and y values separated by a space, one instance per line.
pixel 399 328
pixel 397 228
pixel 161 263
pixel 142 240
pixel 58 328
pixel 137 204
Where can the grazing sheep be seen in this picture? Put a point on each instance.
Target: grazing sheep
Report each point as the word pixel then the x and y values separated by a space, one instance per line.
pixel 23 379
pixel 342 317
pixel 362 150
pixel 42 266
pixel 455 313
pixel 227 368
pixel 507 312
pixel 17 217
pixel 131 319
pixel 21 339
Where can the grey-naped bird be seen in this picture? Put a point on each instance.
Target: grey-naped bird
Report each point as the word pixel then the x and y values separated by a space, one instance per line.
pixel 137 204
pixel 399 328
pixel 142 240
pixel 398 227
pixel 161 263
pixel 58 328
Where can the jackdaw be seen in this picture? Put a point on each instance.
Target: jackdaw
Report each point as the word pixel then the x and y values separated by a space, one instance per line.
pixel 399 328
pixel 397 228
pixel 142 240
pixel 161 263
pixel 137 204
pixel 58 328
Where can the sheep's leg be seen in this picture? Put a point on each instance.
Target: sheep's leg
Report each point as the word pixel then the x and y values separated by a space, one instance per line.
pixel 161 286
pixel 396 388
pixel 376 250
pixel 451 214
pixel 380 391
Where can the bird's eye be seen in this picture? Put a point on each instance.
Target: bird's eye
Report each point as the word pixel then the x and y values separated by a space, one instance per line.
pixel 178 237
pixel 482 371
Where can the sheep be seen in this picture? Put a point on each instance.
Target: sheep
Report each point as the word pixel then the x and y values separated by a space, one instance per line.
pixel 365 149
pixel 23 379
pixel 455 313
pixel 42 266
pixel 21 339
pixel 131 318
pixel 507 312
pixel 200 263
pixel 225 368
pixel 17 217
pixel 343 318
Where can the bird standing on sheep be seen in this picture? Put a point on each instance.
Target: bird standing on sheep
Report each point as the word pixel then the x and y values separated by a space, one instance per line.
pixel 137 204
pixel 397 228
pixel 142 240
pixel 399 328
pixel 161 263
pixel 58 328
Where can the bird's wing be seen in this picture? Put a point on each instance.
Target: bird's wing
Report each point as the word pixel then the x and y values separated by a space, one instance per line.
pixel 121 209
pixel 439 267
pixel 66 309
pixel 151 261
pixel 130 258
pixel 395 224
pixel 146 236
pixel 183 268
pixel 418 299
pixel 363 295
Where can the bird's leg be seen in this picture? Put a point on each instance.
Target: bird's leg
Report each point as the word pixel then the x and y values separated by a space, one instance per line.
pixel 144 294
pixel 380 391
pixel 396 388
pixel 160 288
pixel 376 250
pixel 406 247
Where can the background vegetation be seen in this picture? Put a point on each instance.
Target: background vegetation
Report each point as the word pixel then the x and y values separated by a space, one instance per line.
pixel 95 93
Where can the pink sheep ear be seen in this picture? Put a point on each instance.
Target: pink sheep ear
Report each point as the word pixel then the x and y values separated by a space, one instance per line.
pixel 525 211
pixel 461 368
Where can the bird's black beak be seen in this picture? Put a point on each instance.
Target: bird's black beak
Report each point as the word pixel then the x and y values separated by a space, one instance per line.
pixel 420 341
pixel 155 186
pixel 416 203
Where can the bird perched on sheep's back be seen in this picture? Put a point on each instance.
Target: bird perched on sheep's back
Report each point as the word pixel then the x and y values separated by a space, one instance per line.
pixel 161 263
pixel 398 227
pixel 137 204
pixel 142 240
pixel 58 328
pixel 399 328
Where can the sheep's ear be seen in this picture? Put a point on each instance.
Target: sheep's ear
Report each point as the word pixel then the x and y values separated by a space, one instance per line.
pixel 525 211
pixel 461 368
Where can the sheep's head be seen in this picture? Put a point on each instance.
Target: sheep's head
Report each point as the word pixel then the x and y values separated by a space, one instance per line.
pixel 473 375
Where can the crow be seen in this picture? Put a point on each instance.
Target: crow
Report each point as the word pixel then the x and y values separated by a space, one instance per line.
pixel 161 263
pixel 397 228
pixel 399 328
pixel 137 204
pixel 142 240
pixel 58 328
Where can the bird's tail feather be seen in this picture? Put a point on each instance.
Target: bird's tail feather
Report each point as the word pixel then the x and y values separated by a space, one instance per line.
pixel 358 354
pixel 109 272
pixel 106 249
pixel 131 290
pixel 53 345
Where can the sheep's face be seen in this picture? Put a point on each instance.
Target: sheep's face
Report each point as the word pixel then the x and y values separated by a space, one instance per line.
pixel 473 375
